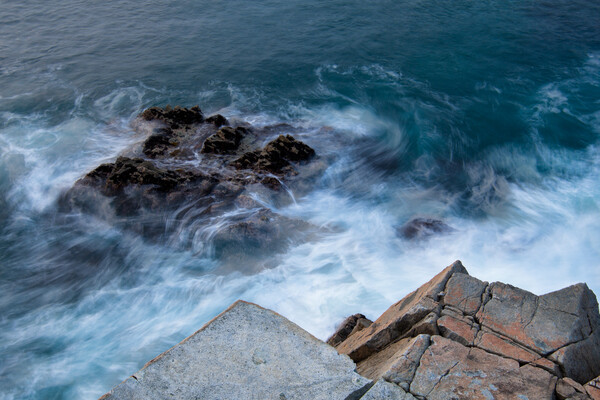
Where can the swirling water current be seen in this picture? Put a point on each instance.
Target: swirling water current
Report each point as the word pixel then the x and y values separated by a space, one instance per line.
pixel 483 114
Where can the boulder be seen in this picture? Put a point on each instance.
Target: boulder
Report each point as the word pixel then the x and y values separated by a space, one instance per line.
pixel 458 329
pixel 422 228
pixel 186 166
pixel 401 367
pixel 383 390
pixel 464 293
pixel 567 388
pixel 400 317
pixel 247 352
pixel 114 177
pixel 158 143
pixel 345 329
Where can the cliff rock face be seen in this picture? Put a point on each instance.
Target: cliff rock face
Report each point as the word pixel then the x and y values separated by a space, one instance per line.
pixel 455 337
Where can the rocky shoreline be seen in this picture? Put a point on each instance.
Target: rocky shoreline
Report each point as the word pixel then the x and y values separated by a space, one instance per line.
pixel 455 337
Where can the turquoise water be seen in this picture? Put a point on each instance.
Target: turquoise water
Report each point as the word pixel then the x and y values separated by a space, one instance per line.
pixel 485 115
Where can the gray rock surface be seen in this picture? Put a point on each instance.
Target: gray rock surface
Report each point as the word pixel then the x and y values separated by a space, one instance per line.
pixel 247 352
pixel 383 390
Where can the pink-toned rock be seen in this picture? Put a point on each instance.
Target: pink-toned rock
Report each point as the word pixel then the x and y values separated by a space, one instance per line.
pixel 593 388
pixel 396 363
pixel 449 370
pixel 503 347
pixel 464 293
pixel 543 324
pixel 400 317
pixel 567 388
pixel 458 330
pixel 404 364
pixel 548 365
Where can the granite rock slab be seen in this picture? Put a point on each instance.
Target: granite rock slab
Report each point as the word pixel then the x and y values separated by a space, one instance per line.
pixel 247 352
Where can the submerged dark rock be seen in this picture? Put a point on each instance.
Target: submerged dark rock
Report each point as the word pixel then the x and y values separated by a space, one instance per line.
pixel 174 117
pixel 225 141
pixel 217 120
pixel 158 143
pixel 114 177
pixel 422 228
pixel 275 157
pixel 192 164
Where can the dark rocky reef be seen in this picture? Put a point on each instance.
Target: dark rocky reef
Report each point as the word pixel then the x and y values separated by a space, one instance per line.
pixel 276 156
pixel 205 166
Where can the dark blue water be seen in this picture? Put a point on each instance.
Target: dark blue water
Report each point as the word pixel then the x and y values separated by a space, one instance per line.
pixel 485 115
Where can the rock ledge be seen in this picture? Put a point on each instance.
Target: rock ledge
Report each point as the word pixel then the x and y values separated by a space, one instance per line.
pixel 455 337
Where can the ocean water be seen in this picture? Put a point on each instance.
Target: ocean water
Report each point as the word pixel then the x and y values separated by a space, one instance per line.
pixel 482 114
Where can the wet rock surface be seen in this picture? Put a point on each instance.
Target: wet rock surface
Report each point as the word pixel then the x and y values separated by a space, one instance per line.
pixel 422 228
pixel 493 341
pixel 191 169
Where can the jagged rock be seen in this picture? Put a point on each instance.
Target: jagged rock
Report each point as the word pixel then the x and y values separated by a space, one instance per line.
pixel 275 157
pixel 458 329
pixel 232 354
pixel 567 388
pixel 548 323
pixel 497 335
pixel 449 370
pixel 158 143
pixel 247 352
pixel 401 367
pixel 166 174
pixel 344 330
pixel 217 120
pixel 383 390
pixel 464 293
pixel 400 317
pixel 174 117
pixel 225 141
pixel 593 388
pixel 125 171
pixel 421 228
